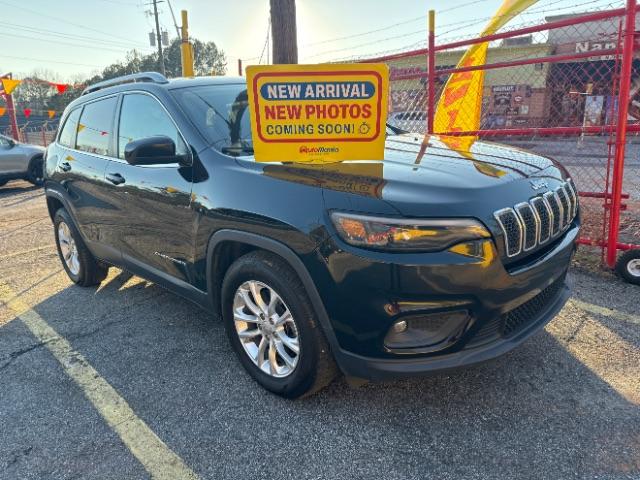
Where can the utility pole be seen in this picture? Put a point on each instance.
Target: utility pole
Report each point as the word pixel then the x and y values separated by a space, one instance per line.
pixel 158 38
pixel 186 49
pixel 283 31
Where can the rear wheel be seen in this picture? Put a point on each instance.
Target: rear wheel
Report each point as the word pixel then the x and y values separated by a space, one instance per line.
pixel 36 171
pixel 628 266
pixel 80 265
pixel 273 328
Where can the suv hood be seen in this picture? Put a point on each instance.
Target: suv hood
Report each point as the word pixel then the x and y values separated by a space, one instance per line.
pixel 449 179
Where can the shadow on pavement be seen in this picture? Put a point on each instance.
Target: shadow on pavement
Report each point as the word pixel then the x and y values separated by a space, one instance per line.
pixel 537 412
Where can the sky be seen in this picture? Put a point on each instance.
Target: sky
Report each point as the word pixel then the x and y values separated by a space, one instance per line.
pixel 69 40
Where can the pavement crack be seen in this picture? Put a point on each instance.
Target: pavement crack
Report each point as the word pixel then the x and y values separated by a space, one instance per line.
pixel 13 356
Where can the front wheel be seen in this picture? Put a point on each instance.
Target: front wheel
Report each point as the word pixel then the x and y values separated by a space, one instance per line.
pixel 80 265
pixel 273 328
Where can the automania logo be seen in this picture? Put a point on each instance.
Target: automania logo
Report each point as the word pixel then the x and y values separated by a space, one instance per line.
pixel 318 150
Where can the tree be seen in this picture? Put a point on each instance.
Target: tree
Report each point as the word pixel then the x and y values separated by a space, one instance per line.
pixel 283 31
pixel 208 60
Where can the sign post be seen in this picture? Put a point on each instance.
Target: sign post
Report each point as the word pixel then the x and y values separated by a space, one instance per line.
pixel 318 113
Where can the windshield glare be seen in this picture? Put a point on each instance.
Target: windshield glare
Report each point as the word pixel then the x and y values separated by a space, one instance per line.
pixel 221 114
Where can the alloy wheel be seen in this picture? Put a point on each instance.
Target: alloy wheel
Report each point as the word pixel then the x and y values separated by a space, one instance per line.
pixel 266 329
pixel 68 248
pixel 633 267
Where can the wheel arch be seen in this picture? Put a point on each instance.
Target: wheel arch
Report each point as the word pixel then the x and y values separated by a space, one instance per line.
pixel 244 242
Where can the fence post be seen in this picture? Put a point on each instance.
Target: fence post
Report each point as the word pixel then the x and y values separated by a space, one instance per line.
pixel 621 132
pixel 431 74
pixel 12 117
pixel 44 136
pixel 239 67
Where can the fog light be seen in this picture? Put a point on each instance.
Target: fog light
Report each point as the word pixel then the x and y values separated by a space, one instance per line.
pixel 400 326
pixel 428 332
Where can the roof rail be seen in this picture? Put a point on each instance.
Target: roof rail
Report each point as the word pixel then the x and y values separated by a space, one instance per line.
pixel 151 77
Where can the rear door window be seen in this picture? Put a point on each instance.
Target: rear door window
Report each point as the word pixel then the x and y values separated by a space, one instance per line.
pixel 95 129
pixel 68 133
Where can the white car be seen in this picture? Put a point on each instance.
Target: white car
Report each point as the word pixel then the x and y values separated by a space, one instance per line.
pixel 20 161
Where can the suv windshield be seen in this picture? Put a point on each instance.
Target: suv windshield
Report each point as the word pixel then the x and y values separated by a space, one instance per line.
pixel 221 114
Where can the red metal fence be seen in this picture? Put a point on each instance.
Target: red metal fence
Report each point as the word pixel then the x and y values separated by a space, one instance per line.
pixel 565 88
pixel 42 134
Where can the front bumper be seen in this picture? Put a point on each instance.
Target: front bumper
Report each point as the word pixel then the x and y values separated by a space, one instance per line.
pixel 359 294
pixel 380 369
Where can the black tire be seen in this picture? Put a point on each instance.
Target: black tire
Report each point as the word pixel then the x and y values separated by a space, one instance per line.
pixel 36 171
pixel 91 271
pixel 315 368
pixel 628 266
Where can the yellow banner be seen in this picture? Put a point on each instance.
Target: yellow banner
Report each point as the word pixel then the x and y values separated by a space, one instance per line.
pixel 461 100
pixel 9 85
pixel 318 113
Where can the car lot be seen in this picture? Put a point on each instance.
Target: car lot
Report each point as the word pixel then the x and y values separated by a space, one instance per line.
pixel 564 405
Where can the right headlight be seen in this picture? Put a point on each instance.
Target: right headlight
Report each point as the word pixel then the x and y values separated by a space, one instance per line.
pixel 395 234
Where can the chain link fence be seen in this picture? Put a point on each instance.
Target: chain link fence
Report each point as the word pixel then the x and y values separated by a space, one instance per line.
pixel 550 87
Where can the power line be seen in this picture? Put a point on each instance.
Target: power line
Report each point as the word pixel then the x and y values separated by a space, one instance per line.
pixel 62 20
pixel 465 24
pixel 266 41
pixel 69 36
pixel 43 60
pixel 388 27
pixel 48 40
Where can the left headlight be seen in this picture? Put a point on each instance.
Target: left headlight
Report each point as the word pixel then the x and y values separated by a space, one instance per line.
pixel 399 234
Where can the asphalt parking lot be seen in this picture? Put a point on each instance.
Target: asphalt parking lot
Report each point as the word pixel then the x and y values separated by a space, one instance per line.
pixel 129 381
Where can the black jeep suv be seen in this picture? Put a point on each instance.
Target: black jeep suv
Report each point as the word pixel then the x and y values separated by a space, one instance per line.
pixel 378 269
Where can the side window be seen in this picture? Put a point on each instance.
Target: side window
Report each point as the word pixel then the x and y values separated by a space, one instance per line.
pixel 142 116
pixel 95 126
pixel 67 136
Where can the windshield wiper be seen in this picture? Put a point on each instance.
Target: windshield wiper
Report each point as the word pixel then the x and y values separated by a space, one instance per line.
pixel 236 151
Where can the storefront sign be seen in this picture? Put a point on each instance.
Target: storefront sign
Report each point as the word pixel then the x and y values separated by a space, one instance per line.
pixel 318 113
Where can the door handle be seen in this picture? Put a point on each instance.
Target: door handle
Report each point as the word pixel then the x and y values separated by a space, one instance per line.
pixel 65 166
pixel 115 178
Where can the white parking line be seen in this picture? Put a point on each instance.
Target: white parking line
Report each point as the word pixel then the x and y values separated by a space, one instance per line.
pixel 607 312
pixel 156 457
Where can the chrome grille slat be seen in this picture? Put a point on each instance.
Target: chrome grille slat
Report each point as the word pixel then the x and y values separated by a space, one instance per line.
pixel 534 223
pixel 569 194
pixel 544 217
pixel 564 204
pixel 512 229
pixel 554 204
pixel 530 225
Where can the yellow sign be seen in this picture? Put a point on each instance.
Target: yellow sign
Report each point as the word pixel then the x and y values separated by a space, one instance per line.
pixel 318 113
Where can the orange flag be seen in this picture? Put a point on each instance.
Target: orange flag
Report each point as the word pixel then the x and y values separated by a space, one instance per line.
pixel 2 110
pixel 9 85
pixel 51 113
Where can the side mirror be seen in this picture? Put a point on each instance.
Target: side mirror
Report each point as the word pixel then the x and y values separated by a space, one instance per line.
pixel 155 150
pixel 11 143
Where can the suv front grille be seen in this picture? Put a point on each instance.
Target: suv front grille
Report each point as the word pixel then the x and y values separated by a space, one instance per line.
pixel 534 223
pixel 518 318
